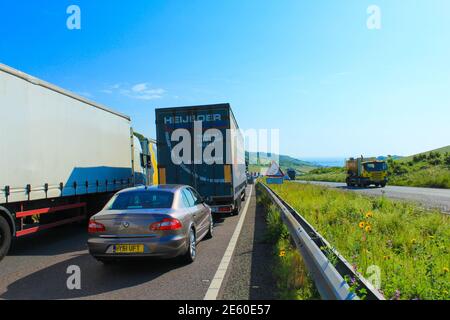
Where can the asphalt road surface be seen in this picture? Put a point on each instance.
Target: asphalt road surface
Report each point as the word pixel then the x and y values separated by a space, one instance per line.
pixel 428 197
pixel 36 267
pixel 251 275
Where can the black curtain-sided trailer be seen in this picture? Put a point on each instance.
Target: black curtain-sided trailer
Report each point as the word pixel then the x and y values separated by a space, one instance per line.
pixel 224 182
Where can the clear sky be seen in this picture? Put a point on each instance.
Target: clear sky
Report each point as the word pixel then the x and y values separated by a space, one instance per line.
pixel 309 68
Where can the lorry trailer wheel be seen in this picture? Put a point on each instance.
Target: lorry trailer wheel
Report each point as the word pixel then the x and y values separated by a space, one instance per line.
pixel 5 237
pixel 237 208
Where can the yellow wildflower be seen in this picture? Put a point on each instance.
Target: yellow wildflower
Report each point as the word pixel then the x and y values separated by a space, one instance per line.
pixel 369 214
pixel 368 228
pixel 362 224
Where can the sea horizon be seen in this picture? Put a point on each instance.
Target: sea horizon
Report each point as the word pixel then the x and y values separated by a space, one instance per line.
pixel 325 161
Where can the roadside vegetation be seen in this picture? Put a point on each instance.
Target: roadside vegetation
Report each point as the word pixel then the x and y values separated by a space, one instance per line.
pixel 409 244
pixel 424 170
pixel 332 174
pixel 293 281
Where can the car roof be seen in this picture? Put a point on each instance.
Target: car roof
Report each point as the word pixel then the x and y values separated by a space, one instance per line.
pixel 163 187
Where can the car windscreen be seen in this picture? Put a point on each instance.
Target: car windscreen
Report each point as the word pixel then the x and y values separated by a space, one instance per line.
pixel 375 166
pixel 141 200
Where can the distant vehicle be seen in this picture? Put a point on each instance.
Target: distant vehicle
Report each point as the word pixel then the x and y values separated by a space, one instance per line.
pixel 63 156
pixel 223 181
pixel 363 172
pixel 163 221
pixel 149 161
pixel 291 174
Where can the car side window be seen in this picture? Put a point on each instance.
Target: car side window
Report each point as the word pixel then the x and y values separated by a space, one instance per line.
pixel 185 200
pixel 189 198
pixel 197 197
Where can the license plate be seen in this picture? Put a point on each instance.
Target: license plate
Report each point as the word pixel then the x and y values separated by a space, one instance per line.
pixel 128 248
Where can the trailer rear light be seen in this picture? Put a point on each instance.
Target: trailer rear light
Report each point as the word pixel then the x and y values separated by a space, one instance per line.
pixel 166 224
pixel 95 227
pixel 224 209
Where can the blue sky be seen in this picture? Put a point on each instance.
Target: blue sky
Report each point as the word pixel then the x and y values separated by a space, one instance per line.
pixel 309 68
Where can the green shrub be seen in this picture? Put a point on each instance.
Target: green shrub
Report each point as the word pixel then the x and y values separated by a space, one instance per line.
pixel 447 159
pixel 276 229
pixel 435 161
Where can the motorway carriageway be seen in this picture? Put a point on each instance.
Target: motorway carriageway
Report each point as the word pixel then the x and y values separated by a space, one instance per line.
pixel 232 265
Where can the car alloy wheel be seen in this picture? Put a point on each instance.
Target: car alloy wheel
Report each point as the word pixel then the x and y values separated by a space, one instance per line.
pixel 192 245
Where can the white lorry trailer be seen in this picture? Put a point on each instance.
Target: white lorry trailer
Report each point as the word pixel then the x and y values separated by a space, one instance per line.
pixel 61 156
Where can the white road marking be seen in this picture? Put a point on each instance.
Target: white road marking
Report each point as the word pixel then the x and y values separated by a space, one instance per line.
pixel 216 283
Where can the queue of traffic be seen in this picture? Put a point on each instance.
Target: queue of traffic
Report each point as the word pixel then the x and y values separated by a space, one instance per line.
pixel 74 160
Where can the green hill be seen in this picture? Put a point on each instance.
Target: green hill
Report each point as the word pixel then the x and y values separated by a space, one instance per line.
pixel 427 169
pixel 441 151
pixel 285 163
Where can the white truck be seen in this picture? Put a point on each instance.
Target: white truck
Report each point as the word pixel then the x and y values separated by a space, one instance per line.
pixel 61 156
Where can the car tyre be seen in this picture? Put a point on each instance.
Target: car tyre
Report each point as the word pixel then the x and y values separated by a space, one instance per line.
pixel 191 253
pixel 210 233
pixel 5 237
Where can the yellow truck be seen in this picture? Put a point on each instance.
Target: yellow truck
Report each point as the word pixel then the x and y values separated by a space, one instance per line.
pixel 148 160
pixel 363 172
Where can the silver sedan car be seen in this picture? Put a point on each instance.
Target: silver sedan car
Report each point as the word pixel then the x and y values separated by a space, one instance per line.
pixel 163 221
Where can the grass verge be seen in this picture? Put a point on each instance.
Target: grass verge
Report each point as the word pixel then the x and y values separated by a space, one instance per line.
pixel 333 174
pixel 408 244
pixel 426 176
pixel 292 279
